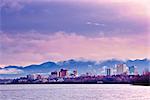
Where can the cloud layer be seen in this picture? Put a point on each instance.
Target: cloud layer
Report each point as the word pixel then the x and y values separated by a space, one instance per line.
pixel 35 47
pixel 52 16
pixel 10 71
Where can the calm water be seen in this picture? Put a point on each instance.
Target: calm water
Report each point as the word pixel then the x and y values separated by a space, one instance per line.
pixel 74 92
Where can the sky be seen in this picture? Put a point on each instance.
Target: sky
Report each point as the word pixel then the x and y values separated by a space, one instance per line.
pixel 34 31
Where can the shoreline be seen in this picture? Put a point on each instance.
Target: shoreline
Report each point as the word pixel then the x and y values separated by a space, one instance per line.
pixel 132 84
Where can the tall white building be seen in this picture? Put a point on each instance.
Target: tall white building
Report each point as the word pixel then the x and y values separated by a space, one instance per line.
pixel 122 69
pixel 114 70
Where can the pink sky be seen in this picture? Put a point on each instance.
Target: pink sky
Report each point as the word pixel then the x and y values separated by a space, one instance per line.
pixel 62 47
pixel 109 29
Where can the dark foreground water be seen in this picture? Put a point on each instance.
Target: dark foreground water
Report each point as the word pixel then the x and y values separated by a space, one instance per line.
pixel 74 92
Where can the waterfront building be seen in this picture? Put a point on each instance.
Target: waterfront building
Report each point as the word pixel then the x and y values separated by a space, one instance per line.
pixel 54 74
pixel 136 71
pixel 146 71
pixel 114 70
pixel 39 77
pixel 31 76
pixel 63 73
pixel 75 72
pixel 132 70
pixel 108 71
pixel 122 69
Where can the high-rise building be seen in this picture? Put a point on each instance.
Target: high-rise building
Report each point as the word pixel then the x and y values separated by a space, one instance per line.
pixel 132 70
pixel 108 71
pixel 122 69
pixel 114 70
pixel 63 73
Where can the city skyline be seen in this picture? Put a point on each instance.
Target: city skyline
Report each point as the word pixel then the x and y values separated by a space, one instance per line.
pixel 122 75
pixel 34 31
pixel 82 66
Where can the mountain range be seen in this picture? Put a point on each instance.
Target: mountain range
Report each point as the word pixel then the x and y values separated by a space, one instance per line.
pixel 82 66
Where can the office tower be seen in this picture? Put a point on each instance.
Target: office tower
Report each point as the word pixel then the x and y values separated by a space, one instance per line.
pixel 122 69
pixel 63 73
pixel 132 70
pixel 108 71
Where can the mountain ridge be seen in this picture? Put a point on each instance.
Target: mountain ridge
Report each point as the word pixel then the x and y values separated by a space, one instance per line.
pixel 72 64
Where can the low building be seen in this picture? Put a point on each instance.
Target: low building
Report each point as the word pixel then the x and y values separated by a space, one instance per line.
pixel 54 74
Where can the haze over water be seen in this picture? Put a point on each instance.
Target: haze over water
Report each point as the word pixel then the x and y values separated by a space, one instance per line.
pixel 74 92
